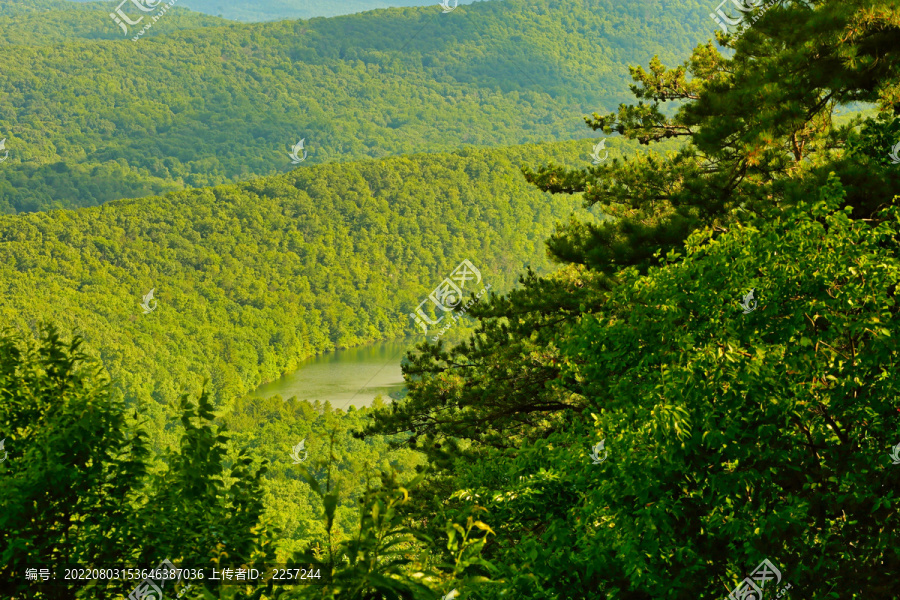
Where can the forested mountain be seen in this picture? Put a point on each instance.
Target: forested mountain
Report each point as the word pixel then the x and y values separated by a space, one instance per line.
pixel 252 278
pixel 95 120
pixel 686 389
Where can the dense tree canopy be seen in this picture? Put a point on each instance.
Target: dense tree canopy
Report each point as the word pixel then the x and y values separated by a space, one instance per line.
pixel 732 437
pixel 25 7
pixel 90 121
pixel 251 279
pixel 705 383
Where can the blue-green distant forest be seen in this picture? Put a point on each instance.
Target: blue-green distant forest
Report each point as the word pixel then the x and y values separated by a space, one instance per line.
pixel 250 10
pixel 682 383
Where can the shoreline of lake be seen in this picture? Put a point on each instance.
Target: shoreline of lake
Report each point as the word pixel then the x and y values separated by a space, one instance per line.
pixel 345 377
pixel 352 376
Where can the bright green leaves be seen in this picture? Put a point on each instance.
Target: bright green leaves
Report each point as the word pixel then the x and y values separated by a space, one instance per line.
pixel 876 140
pixel 725 430
pixel 778 395
pixel 80 490
pixel 670 417
pixel 71 474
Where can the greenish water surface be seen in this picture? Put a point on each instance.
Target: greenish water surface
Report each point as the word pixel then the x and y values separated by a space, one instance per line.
pixel 354 376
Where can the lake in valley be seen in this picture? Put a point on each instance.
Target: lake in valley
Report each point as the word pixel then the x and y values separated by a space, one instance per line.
pixel 344 377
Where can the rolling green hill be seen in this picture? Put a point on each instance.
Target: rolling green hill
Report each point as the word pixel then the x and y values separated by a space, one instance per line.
pixel 252 278
pixel 91 120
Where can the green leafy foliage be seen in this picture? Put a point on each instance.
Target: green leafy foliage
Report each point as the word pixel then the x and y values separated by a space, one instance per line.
pixel 80 487
pixel 754 121
pixel 765 434
pixel 732 437
pixel 388 557
pixel 269 428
